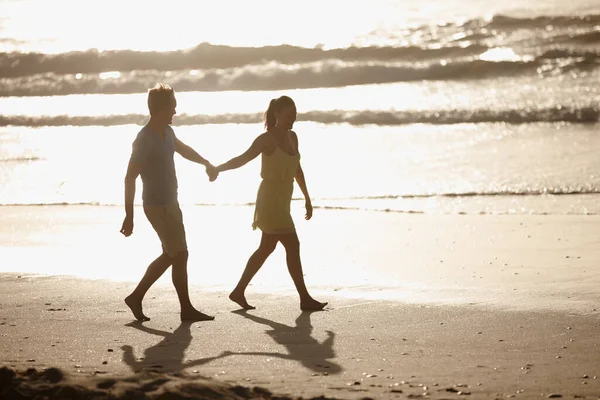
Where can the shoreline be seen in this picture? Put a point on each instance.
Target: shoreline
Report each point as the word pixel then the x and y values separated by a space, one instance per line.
pixel 516 262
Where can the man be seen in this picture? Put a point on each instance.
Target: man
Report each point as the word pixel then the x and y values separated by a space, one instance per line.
pixel 152 158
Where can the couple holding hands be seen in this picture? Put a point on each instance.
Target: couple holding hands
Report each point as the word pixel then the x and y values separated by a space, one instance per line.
pixel 152 158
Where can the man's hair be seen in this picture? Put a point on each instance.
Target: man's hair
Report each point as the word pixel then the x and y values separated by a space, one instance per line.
pixel 159 98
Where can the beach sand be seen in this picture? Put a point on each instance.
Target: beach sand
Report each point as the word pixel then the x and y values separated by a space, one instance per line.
pixel 434 306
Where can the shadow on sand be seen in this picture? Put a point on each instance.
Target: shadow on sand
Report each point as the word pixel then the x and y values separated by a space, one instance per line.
pixel 168 354
pixel 299 343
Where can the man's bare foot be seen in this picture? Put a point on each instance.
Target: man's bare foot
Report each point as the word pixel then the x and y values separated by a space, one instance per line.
pixel 135 306
pixel 240 299
pixel 311 305
pixel 194 315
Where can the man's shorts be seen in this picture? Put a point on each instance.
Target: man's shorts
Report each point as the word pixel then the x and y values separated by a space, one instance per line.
pixel 167 221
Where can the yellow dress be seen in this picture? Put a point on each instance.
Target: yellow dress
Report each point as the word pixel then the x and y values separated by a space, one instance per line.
pixel 272 212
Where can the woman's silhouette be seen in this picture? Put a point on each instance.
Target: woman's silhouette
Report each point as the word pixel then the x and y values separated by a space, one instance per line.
pixel 299 343
pixel 280 166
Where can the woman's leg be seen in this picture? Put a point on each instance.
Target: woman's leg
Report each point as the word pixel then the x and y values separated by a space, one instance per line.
pixel 292 249
pixel 255 262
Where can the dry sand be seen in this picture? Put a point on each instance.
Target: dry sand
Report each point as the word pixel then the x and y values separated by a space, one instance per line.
pixel 435 306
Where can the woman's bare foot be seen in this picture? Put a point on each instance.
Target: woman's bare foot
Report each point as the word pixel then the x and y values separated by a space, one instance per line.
pixel 240 299
pixel 311 305
pixel 135 306
pixel 194 315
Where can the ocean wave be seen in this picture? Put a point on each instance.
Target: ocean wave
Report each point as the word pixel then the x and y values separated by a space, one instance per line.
pixel 208 56
pixel 447 212
pixel 20 159
pixel 450 41
pixel 513 116
pixel 555 21
pixel 552 191
pixel 277 76
pixel 342 202
pixel 374 204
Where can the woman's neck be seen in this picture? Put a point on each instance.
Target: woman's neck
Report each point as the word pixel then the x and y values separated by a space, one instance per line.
pixel 278 131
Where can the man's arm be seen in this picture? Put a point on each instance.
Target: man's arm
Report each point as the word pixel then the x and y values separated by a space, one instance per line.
pixel 189 154
pixel 133 171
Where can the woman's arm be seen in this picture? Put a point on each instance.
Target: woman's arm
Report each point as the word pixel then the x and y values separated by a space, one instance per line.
pixel 302 181
pixel 253 151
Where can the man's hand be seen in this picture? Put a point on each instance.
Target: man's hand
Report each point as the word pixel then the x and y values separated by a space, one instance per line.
pixel 309 210
pixel 127 227
pixel 212 172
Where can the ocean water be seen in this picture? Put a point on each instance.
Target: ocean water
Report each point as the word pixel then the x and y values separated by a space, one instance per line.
pixel 429 107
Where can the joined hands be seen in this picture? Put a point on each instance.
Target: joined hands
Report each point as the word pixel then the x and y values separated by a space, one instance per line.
pixel 212 172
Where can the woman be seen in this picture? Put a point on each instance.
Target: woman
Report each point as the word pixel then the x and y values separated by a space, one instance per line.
pixel 280 166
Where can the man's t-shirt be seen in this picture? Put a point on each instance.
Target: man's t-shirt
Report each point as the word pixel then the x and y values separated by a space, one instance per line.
pixel 159 181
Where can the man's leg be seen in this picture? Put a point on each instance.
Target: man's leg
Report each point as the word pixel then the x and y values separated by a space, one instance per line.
pixel 175 244
pixel 157 216
pixel 180 281
pixel 153 272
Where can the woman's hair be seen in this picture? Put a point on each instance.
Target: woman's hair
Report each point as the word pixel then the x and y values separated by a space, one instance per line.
pixel 159 98
pixel 275 106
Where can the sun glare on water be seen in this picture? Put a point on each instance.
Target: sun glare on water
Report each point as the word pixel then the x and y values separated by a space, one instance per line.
pixel 110 75
pixel 499 54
